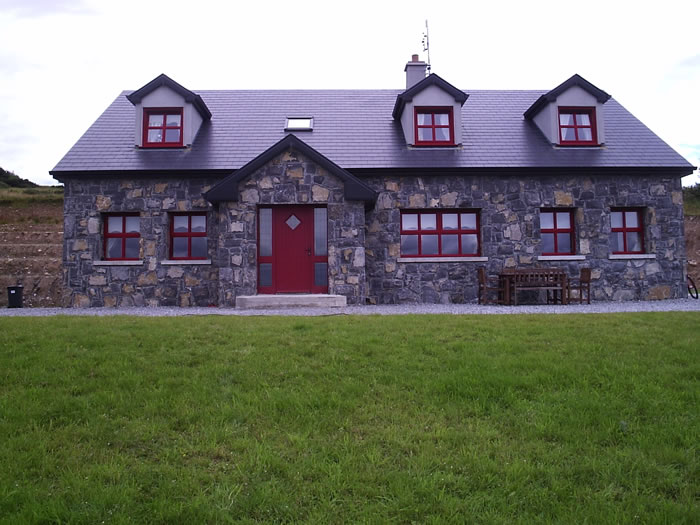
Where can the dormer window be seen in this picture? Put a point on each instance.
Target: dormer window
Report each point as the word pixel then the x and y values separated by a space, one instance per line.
pixel 577 127
pixel 434 126
pixel 162 127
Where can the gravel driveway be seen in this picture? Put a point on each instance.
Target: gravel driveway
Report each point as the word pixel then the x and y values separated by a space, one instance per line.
pixel 677 305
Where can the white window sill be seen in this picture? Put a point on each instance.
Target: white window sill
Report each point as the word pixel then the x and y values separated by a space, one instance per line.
pixel 170 262
pixel 441 259
pixel 627 256
pixel 117 263
pixel 561 258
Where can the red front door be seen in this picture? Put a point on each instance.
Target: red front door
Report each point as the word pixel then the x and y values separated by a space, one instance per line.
pixel 292 250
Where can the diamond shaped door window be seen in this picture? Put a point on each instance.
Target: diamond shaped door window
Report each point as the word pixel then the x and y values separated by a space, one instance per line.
pixel 292 222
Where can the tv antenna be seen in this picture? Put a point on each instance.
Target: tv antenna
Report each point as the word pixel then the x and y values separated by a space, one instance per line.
pixel 426 44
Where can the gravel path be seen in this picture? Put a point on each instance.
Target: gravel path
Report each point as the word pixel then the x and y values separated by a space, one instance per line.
pixel 453 309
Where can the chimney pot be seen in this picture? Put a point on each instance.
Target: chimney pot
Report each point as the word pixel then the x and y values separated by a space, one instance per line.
pixel 414 58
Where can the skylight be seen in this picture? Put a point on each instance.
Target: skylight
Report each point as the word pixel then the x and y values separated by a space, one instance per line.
pixel 299 124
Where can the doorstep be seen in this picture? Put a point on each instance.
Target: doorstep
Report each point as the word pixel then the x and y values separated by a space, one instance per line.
pixel 251 302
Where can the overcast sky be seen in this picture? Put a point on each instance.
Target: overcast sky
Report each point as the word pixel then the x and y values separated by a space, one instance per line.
pixel 62 62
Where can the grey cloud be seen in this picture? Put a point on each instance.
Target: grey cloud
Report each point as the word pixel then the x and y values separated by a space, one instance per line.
pixel 691 62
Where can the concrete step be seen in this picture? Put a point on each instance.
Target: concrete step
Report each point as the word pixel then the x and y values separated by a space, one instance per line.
pixel 252 302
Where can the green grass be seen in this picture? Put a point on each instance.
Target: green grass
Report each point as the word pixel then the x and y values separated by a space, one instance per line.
pixel 691 200
pixel 425 419
pixel 24 197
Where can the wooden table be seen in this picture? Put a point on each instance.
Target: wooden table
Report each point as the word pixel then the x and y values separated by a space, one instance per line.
pixel 550 279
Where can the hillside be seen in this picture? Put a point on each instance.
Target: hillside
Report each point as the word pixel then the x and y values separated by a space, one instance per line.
pixel 10 180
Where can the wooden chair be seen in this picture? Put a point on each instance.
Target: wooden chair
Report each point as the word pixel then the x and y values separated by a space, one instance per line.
pixel 485 287
pixel 581 284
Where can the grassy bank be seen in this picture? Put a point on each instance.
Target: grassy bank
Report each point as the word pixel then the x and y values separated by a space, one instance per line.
pixel 486 419
pixel 23 197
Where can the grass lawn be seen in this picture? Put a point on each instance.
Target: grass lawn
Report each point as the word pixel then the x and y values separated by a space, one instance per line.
pixel 428 419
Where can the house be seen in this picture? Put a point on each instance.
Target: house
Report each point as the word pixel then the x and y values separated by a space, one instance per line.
pixel 176 197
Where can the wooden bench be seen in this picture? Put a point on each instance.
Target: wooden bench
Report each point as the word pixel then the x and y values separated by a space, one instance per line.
pixel 548 279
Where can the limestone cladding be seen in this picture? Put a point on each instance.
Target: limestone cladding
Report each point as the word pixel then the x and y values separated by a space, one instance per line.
pixel 150 283
pixel 291 178
pixel 510 235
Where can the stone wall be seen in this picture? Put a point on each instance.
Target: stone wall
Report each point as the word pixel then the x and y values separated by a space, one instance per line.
pixel 150 282
pixel 291 179
pixel 510 235
pixel 364 245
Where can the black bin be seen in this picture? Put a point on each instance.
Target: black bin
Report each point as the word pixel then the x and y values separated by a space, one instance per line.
pixel 14 296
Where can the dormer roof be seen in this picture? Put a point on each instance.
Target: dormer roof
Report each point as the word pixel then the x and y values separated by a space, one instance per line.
pixel 576 80
pixel 163 80
pixel 431 80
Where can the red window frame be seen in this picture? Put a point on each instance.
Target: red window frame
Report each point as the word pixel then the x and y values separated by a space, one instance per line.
pixel 571 230
pixel 576 126
pixel 440 231
pixel 123 236
pixel 147 112
pixel 432 111
pixel 625 229
pixel 189 234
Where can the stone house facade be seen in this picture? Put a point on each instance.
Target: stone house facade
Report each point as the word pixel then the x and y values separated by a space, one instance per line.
pixel 372 196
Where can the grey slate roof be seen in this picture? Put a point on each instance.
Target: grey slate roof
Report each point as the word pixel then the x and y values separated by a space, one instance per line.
pixel 355 129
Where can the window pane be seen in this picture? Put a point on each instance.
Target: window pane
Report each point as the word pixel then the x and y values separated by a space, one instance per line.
pixel 634 242
pixel 180 223
pixel 425 119
pixel 425 134
pixel 132 225
pixel 155 120
pixel 470 244
pixel 566 119
pixel 616 219
pixel 409 221
pixel 155 135
pixel 180 247
pixel 265 274
pixel 199 246
pixel 449 221
pixel 320 274
pixel 172 135
pixel 409 245
pixel 442 119
pixel 442 134
pixel 547 243
pixel 172 120
pixel 568 134
pixel 582 119
pixel 428 221
pixel 617 245
pixel 468 221
pixel 585 134
pixel 114 248
pixel 631 219
pixel 114 224
pixel 429 244
pixel 563 220
pixel 563 242
pixel 546 220
pixel 132 248
pixel 265 232
pixel 299 123
pixel 199 223
pixel 320 232
pixel 450 244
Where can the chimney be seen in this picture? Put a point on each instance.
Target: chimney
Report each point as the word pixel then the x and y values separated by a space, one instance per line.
pixel 415 71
